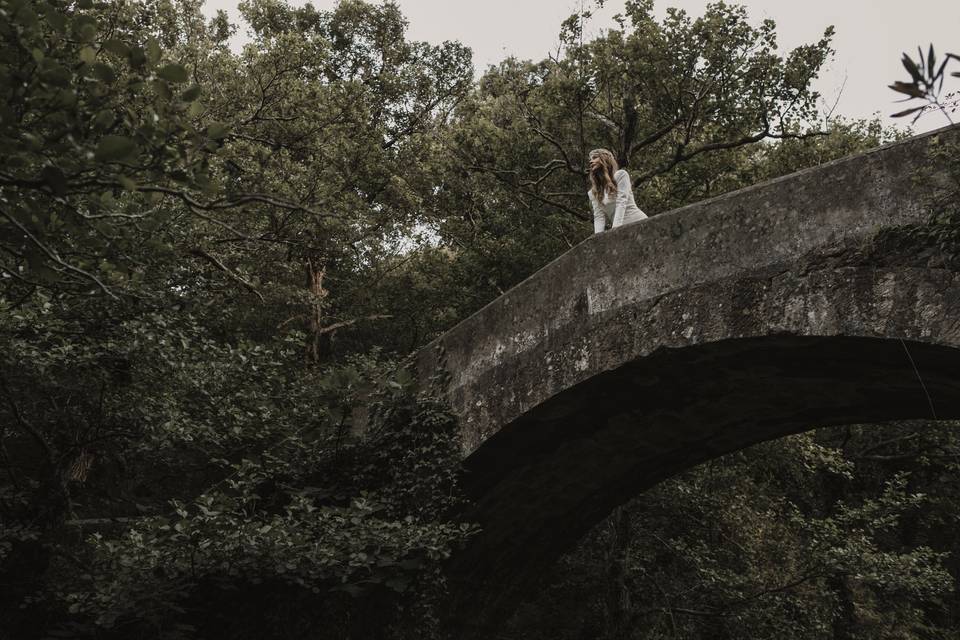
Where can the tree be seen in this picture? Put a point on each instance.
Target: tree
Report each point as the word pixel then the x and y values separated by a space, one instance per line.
pixel 100 125
pixel 340 109
pixel 677 101
pixel 181 226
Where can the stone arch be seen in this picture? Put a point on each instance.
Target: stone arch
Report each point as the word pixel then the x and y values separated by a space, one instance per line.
pixel 642 352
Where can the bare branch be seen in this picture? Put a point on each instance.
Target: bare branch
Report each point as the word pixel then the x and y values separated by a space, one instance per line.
pixel 347 323
pixel 537 126
pixel 232 274
pixel 57 259
pixel 680 156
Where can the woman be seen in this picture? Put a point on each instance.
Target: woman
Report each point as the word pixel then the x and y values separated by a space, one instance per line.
pixel 611 192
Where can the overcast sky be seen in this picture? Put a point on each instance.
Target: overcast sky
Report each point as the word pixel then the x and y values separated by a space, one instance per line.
pixel 871 35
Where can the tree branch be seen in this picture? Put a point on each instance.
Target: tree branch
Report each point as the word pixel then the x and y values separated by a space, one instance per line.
pixel 680 156
pixel 55 258
pixel 232 274
pixel 347 323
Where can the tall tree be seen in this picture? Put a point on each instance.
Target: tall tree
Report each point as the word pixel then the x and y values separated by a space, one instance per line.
pixel 181 227
pixel 683 102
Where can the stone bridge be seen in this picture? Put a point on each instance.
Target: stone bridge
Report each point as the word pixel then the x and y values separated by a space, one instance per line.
pixel 643 351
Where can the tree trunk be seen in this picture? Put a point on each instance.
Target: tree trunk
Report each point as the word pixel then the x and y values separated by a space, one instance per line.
pixel 317 339
pixel 616 603
pixel 628 134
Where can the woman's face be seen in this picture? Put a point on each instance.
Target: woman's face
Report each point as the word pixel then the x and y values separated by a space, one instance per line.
pixel 595 162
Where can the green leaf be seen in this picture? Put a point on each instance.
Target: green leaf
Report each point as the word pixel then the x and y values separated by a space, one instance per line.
pixel 911 68
pixel 104 119
pixel 943 66
pixel 103 72
pixel 217 130
pixel 26 16
pixel 88 55
pixel 137 57
pixel 55 18
pixel 191 94
pixel 67 99
pixel 153 51
pixel 127 183
pixel 173 73
pixel 32 141
pixel 907 112
pixel 116 47
pixel 162 89
pixel 909 89
pixel 87 32
pixel 56 76
pixel 114 149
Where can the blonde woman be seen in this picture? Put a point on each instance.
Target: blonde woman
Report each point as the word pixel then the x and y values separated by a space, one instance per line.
pixel 611 193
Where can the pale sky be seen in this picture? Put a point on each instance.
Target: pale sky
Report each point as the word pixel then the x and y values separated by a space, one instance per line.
pixel 871 35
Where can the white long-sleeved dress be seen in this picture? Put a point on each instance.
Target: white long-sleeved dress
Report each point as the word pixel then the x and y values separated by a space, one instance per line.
pixel 620 210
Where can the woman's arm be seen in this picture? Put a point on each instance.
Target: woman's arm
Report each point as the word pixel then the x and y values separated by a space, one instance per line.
pixel 599 220
pixel 623 191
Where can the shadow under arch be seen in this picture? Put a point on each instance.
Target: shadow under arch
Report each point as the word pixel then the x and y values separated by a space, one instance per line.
pixel 544 481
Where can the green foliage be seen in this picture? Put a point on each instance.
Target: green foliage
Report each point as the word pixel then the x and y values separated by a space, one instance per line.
pixel 184 231
pixel 270 484
pixel 416 453
pixel 95 129
pixel 943 231
pixel 800 538
pixel 365 530
pixel 211 263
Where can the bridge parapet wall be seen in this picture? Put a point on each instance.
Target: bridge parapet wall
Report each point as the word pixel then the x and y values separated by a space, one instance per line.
pixel 540 337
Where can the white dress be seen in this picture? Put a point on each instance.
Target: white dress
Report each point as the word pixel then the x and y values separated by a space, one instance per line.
pixel 620 210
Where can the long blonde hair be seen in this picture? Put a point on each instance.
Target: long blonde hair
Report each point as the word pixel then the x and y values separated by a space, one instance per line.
pixel 601 178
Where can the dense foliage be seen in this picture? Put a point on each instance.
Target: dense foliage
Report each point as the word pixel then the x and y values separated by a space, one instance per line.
pixel 214 265
pixel 177 437
pixel 845 533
